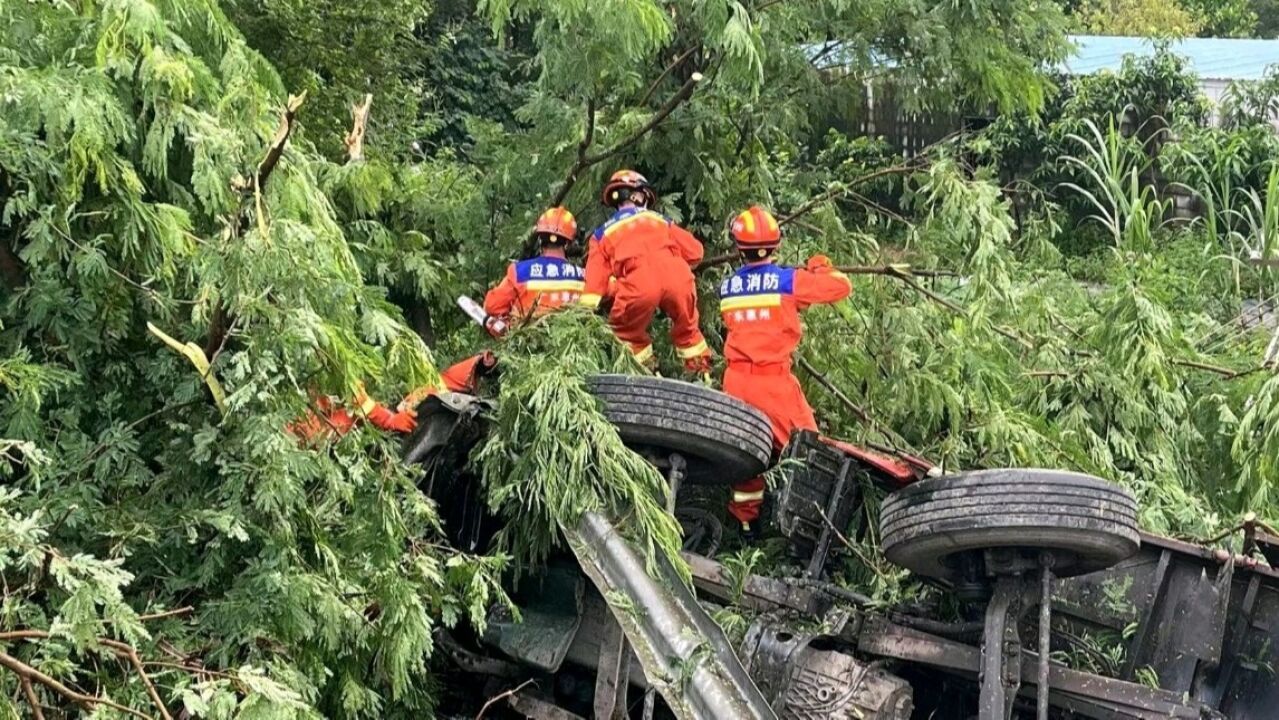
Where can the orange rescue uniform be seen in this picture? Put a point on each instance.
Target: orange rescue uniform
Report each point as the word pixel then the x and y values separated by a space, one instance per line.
pixel 460 377
pixel 651 258
pixel 334 417
pixel 760 304
pixel 535 287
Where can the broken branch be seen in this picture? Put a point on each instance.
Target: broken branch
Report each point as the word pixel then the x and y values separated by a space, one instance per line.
pixel 683 94
pixel 354 140
pixel 88 702
pixel 502 696
pixel 276 149
pixel 131 654
pixel 128 652
pixel 219 323
pixel 29 692
pixel 680 60
pixel 177 612
pixel 834 390
pixel 843 189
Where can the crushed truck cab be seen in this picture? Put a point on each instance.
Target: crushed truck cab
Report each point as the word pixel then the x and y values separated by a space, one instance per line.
pixel 1033 567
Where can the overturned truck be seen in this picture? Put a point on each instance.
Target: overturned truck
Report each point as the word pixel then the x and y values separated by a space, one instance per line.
pixel 1049 604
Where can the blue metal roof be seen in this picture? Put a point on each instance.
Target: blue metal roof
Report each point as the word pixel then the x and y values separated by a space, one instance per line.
pixel 1210 58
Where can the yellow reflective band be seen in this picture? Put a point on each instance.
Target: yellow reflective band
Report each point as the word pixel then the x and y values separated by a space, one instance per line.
pixel 643 354
pixel 645 214
pixel 748 496
pixel 772 222
pixel 367 405
pixel 590 300
pixel 568 216
pixel 693 350
pixel 554 285
pixel 750 301
pixel 748 222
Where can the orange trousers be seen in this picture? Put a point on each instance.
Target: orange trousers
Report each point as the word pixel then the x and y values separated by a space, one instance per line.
pixel 774 391
pixel 663 282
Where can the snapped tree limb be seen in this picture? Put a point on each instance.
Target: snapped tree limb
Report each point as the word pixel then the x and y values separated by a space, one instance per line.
pixel 220 322
pixel 88 702
pixel 679 98
pixel 675 64
pixel 354 140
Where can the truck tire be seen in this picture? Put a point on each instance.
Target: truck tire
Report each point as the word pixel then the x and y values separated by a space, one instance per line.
pixel 1087 523
pixel 723 440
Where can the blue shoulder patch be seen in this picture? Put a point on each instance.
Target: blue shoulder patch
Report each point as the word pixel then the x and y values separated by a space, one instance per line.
pixel 617 217
pixel 759 280
pixel 546 268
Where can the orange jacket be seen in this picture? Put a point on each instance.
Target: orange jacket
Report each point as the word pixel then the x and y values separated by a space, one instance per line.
pixel 632 238
pixel 335 417
pixel 535 287
pixel 461 377
pixel 760 304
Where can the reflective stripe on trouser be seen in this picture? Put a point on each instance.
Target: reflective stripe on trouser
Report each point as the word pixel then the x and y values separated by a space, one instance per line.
pixel 697 349
pixel 747 499
pixel 643 354
pixel 668 285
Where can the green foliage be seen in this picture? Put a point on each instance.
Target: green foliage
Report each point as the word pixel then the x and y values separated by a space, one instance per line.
pixel 130 135
pixel 1249 103
pixel 1267 12
pixel 1153 102
pixel 1143 18
pixel 552 455
pixel 337 52
pixel 315 574
pixel 1225 18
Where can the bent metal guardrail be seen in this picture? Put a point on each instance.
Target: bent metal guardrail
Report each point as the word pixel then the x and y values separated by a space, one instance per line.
pixel 683 651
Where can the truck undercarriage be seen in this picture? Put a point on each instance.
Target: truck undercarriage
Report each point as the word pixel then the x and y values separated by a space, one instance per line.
pixel 1043 579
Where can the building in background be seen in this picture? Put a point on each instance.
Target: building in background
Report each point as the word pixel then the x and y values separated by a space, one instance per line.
pixel 1217 61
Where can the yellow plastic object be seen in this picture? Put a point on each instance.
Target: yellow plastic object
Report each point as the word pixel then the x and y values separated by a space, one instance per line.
pixel 195 354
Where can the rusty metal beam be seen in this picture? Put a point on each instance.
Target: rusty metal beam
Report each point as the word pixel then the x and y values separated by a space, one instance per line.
pixel 611 676
pixel 1087 694
pixel 1137 649
pixel 758 593
pixel 538 709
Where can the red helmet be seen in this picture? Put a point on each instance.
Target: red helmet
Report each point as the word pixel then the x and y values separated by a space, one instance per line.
pixel 626 180
pixel 756 229
pixel 558 222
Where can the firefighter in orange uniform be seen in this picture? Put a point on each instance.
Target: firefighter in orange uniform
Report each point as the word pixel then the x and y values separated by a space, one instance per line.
pixel 460 377
pixel 651 258
pixel 760 304
pixel 334 417
pixel 542 284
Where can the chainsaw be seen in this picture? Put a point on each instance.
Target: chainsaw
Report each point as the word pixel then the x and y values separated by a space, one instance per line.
pixel 494 325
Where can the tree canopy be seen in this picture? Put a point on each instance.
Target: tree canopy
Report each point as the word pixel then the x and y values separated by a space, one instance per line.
pixel 177 169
